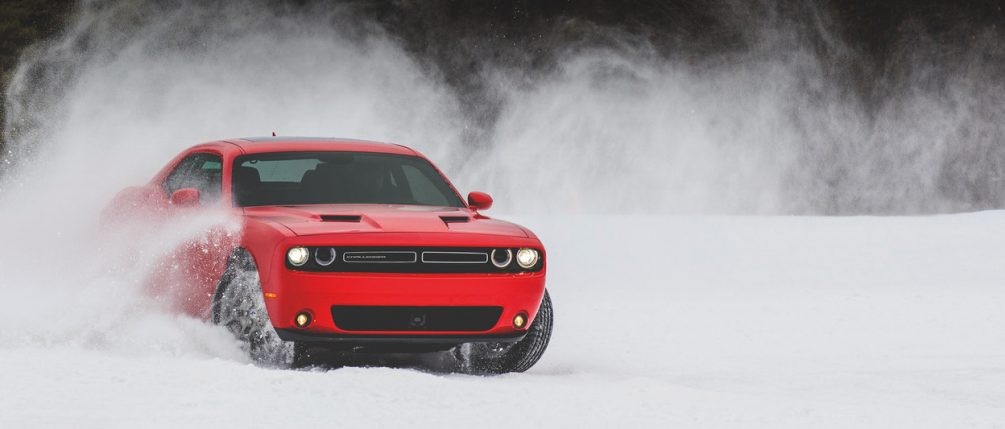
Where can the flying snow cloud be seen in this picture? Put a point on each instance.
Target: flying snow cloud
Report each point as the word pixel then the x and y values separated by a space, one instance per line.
pixel 614 129
pixel 120 93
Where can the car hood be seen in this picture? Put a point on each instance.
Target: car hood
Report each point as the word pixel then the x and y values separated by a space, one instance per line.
pixel 345 218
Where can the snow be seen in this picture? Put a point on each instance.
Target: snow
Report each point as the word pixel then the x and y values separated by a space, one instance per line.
pixel 661 321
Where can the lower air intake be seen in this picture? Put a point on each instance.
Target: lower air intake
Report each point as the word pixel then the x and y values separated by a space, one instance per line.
pixel 375 318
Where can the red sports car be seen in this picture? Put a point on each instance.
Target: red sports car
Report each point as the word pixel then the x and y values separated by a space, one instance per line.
pixel 348 246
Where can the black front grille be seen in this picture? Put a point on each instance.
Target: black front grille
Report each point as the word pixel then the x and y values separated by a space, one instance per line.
pixel 435 257
pixel 359 259
pixel 379 318
pixel 380 257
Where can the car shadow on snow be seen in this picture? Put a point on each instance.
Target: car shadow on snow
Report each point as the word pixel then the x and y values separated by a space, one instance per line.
pixel 447 362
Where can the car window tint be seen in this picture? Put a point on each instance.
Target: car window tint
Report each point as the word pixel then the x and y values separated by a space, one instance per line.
pixel 423 189
pixel 283 170
pixel 202 171
pixel 291 178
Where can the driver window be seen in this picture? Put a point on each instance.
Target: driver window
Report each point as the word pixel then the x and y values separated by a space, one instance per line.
pixel 202 171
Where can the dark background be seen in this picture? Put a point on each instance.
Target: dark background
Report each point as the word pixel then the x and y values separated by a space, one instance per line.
pixel 457 38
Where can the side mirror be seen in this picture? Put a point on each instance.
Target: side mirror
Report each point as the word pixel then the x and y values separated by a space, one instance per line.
pixel 479 201
pixel 185 197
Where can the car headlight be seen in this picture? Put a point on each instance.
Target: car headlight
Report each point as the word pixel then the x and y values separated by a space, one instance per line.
pixel 527 258
pixel 324 256
pixel 501 258
pixel 298 256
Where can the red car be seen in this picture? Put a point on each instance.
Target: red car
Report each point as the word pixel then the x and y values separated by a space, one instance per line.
pixel 348 246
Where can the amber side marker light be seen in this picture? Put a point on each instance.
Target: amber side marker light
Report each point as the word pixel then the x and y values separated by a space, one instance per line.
pixel 520 321
pixel 303 319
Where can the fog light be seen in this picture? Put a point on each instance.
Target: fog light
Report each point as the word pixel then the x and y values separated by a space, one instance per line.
pixel 303 319
pixel 520 320
pixel 298 256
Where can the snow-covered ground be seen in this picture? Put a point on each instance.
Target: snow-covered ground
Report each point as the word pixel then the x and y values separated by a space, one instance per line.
pixel 660 322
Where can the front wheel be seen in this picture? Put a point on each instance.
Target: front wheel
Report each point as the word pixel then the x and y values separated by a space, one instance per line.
pixel 500 358
pixel 240 307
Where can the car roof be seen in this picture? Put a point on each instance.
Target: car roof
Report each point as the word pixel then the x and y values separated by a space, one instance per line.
pixel 307 144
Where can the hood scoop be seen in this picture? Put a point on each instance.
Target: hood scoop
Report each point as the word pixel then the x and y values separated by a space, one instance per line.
pixel 454 219
pixel 341 218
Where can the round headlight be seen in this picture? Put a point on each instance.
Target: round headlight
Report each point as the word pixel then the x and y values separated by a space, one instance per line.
pixel 526 258
pixel 324 256
pixel 298 256
pixel 501 257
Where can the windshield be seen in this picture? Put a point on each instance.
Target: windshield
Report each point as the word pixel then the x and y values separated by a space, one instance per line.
pixel 294 178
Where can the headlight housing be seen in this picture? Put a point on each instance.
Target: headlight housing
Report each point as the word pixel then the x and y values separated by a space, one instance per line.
pixel 325 256
pixel 527 258
pixel 298 256
pixel 501 258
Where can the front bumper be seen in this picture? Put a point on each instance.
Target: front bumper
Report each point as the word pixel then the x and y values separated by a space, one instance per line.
pixel 288 293
pixel 388 344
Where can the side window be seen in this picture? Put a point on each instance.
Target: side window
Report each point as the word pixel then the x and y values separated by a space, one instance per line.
pixel 202 171
pixel 423 189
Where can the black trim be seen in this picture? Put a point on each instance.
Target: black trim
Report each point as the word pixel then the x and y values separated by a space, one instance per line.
pixel 379 257
pixel 454 219
pixel 415 318
pixel 341 218
pixel 306 337
pixel 440 257
pixel 392 260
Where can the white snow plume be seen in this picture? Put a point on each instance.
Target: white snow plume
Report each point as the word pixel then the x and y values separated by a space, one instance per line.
pixel 68 282
pixel 784 125
pixel 120 93
pixel 127 87
pixel 617 132
pixel 132 83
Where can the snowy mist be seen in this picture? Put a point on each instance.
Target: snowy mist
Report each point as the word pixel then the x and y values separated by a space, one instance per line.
pixel 612 127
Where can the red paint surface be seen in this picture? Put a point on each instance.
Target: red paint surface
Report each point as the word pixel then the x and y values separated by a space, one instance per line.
pixel 188 278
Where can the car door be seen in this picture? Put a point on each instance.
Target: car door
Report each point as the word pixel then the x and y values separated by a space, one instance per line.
pixel 186 278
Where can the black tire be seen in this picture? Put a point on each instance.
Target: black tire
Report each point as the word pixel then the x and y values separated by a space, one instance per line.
pixel 501 358
pixel 239 306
